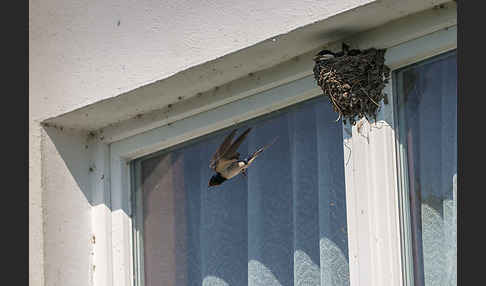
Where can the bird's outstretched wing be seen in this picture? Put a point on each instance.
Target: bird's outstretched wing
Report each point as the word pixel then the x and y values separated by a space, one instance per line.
pixel 231 153
pixel 222 148
pixel 226 152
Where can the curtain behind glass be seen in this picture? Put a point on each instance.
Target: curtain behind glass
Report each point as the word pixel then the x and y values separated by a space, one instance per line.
pixel 285 224
pixel 428 119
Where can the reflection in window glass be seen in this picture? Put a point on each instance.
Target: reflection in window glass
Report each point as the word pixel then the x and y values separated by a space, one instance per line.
pixel 427 119
pixel 283 224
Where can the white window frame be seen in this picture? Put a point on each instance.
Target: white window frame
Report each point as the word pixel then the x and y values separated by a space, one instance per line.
pixel 372 208
pixel 377 210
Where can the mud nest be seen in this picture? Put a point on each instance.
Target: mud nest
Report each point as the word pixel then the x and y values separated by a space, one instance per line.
pixel 353 80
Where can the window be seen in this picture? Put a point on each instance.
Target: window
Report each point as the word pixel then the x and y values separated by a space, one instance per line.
pixel 284 224
pixel 427 121
pixel 326 203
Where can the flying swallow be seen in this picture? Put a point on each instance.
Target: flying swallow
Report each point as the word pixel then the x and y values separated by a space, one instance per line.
pixel 226 160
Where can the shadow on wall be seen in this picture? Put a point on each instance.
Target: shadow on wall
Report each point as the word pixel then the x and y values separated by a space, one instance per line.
pixel 67 188
pixel 72 156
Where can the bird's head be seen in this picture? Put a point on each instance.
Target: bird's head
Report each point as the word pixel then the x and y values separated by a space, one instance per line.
pixel 324 55
pixel 216 180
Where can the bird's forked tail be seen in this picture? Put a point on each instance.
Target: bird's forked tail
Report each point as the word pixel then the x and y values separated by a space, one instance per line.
pixel 255 154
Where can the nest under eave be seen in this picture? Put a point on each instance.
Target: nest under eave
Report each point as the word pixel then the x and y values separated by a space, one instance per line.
pixel 353 81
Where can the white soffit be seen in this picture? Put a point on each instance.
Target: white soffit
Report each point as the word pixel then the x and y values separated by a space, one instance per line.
pixel 262 66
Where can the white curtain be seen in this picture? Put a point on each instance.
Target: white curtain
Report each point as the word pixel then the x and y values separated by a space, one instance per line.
pixel 429 111
pixel 285 224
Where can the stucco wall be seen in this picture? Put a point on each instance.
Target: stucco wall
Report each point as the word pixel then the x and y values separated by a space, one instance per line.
pixel 84 51
pixel 36 253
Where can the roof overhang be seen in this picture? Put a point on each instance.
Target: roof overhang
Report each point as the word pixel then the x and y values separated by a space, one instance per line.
pixel 245 72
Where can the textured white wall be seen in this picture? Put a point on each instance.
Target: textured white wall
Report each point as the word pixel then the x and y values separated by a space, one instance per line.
pixel 66 199
pixel 36 253
pixel 84 51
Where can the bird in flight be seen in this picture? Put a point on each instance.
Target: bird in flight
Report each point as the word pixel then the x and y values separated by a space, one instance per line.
pixel 226 160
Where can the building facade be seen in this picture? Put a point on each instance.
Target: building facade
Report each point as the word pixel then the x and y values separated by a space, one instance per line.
pixel 128 100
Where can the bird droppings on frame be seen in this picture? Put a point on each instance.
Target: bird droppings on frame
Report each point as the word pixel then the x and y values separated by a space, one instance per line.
pixel 353 80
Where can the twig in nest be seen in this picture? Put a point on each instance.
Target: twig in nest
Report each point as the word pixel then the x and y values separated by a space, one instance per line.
pixel 369 98
pixel 339 117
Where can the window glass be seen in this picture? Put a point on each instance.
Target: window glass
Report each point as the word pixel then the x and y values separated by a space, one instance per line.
pixel 283 224
pixel 427 120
